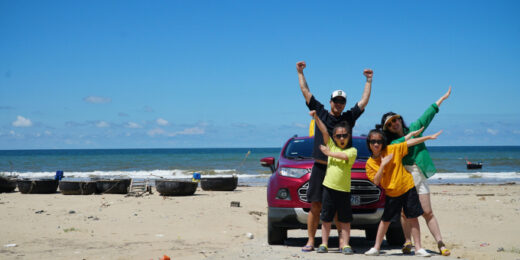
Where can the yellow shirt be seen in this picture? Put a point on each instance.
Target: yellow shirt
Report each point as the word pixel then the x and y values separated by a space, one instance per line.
pixel 338 171
pixel 396 180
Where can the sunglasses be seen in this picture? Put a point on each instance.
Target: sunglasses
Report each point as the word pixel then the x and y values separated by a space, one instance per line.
pixel 340 101
pixel 373 141
pixel 392 121
pixel 339 136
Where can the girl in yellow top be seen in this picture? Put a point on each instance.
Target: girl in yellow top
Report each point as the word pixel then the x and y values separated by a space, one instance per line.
pixel 336 185
pixel 385 168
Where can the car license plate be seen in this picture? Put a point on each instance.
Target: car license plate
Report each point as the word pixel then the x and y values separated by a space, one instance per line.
pixel 355 200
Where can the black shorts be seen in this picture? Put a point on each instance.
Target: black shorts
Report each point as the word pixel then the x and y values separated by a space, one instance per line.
pixel 315 190
pixel 335 201
pixel 409 202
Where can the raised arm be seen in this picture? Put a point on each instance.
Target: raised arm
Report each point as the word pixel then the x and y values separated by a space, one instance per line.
pixel 362 103
pixel 418 140
pixel 444 97
pixel 321 126
pixel 379 174
pixel 303 83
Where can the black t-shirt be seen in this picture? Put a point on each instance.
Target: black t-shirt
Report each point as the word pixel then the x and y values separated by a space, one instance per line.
pixel 330 121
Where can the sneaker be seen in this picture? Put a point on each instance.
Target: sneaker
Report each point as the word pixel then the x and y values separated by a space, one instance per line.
pixel 347 250
pixel 422 252
pixel 372 251
pixel 323 249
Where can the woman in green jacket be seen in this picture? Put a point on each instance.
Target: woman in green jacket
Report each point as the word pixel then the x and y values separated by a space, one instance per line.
pixel 420 164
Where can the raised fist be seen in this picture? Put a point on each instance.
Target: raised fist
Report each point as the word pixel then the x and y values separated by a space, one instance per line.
pixel 300 65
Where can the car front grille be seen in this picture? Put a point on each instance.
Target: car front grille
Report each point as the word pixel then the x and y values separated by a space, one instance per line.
pixel 366 190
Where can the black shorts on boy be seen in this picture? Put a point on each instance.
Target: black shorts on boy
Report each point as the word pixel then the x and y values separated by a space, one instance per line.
pixel 409 202
pixel 315 190
pixel 335 201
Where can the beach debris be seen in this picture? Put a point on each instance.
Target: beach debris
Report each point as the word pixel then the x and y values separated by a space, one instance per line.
pixel 486 194
pixel 159 235
pixel 235 204
pixel 500 249
pixel 93 217
pixel 250 235
pixel 10 245
pixel 164 257
pixel 39 211
pixel 482 198
pixel 258 213
pixel 72 212
pixel 484 244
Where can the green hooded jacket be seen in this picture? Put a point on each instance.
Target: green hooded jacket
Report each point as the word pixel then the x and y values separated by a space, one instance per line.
pixel 418 154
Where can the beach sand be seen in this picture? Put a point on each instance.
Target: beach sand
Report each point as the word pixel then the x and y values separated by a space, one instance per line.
pixel 477 222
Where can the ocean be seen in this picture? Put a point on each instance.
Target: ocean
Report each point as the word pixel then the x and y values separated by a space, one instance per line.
pixel 501 164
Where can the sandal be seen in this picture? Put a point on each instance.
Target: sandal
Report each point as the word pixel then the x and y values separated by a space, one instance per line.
pixel 407 248
pixel 307 248
pixel 442 248
pixel 323 249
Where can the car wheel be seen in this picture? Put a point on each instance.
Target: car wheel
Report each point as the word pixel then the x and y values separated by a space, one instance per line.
pixel 371 233
pixel 275 235
pixel 395 236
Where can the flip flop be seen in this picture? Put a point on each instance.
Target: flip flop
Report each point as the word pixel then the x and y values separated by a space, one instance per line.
pixel 307 248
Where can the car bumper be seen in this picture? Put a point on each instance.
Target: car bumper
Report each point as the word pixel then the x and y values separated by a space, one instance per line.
pixel 293 218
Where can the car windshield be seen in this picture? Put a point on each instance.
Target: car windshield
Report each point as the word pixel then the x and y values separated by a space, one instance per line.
pixel 302 148
pixel 299 149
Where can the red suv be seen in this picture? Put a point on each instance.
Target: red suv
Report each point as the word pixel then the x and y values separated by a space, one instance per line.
pixel 287 193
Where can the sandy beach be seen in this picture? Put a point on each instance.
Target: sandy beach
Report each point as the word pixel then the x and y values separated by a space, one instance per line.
pixel 477 222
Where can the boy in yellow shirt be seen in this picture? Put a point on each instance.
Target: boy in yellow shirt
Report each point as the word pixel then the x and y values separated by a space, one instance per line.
pixel 385 168
pixel 336 184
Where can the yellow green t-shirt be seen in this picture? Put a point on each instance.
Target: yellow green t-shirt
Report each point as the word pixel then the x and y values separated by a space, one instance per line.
pixel 338 171
pixel 396 180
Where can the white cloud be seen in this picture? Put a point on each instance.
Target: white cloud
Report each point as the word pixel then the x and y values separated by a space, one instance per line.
pixel 299 125
pixel 97 100
pixel 22 122
pixel 191 131
pixel 156 131
pixel 492 131
pixel 469 131
pixel 47 132
pixel 102 124
pixel 187 131
pixel 133 125
pixel 516 132
pixel 161 121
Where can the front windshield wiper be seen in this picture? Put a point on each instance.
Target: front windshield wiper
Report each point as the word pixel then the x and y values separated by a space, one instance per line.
pixel 298 157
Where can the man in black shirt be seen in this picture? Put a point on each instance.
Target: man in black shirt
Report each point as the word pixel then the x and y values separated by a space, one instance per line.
pixel 338 101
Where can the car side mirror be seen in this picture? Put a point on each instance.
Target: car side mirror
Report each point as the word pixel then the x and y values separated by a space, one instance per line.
pixel 268 162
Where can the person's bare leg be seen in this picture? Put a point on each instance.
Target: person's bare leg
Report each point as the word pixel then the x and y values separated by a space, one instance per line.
pixel 433 224
pixel 406 229
pixel 344 234
pixel 325 232
pixel 381 231
pixel 416 232
pixel 313 219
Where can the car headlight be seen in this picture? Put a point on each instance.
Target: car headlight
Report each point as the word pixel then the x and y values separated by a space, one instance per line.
pixel 293 172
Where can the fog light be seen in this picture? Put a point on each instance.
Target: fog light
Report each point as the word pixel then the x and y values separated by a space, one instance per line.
pixel 283 194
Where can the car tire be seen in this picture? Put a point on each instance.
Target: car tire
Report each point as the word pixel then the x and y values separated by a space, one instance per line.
pixel 371 233
pixel 275 235
pixel 395 236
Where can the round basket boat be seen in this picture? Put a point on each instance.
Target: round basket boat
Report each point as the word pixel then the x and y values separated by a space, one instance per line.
pixel 37 186
pixel 219 183
pixel 77 187
pixel 175 187
pixel 117 186
pixel 7 184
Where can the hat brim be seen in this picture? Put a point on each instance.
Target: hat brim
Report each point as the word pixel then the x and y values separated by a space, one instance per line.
pixel 388 119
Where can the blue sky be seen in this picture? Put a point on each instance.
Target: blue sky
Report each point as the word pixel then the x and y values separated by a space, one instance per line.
pixel 172 74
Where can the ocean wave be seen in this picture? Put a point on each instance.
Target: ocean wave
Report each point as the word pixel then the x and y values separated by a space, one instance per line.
pixel 482 175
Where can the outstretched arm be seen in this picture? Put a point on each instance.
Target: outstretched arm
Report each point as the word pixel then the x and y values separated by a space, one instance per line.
pixel 419 140
pixel 338 155
pixel 379 174
pixel 444 97
pixel 303 83
pixel 413 134
pixel 368 88
pixel 321 126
